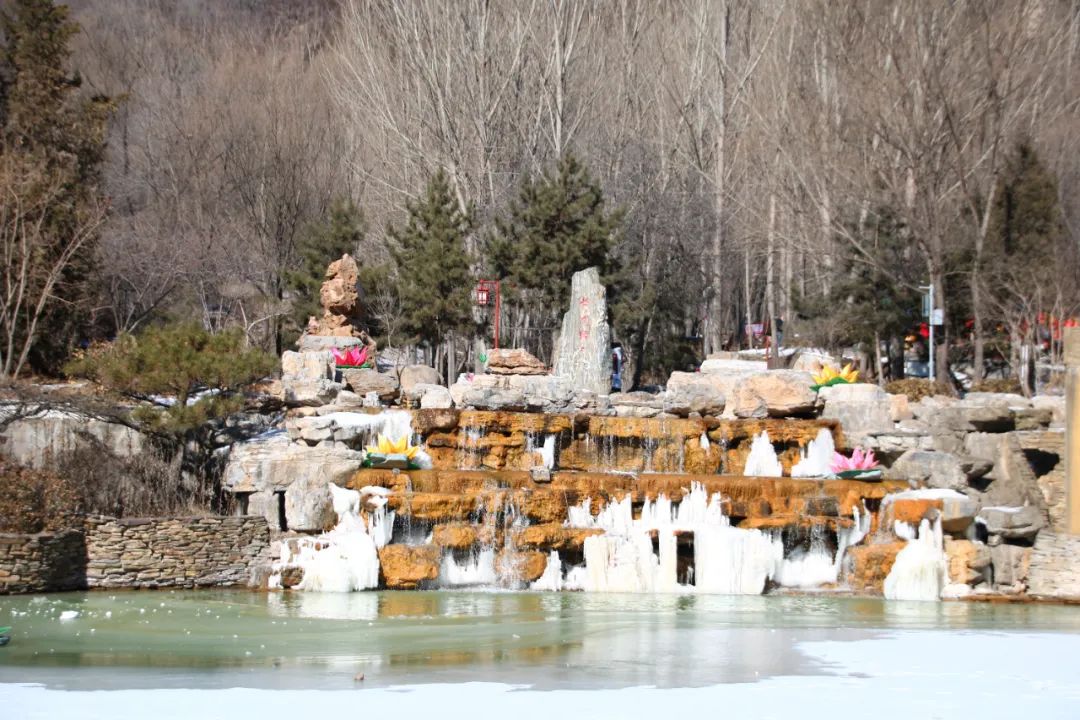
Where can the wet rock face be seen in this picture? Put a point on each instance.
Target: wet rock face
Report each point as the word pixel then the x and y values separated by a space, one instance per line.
pixel 524 566
pixel 583 353
pixel 969 562
pixel 871 565
pixel 406 567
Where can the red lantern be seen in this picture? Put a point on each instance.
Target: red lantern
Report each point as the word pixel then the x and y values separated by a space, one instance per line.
pixel 482 295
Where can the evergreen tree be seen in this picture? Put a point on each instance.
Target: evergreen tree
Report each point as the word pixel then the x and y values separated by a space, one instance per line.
pixel 1025 224
pixel 51 148
pixel 435 282
pixel 322 243
pixel 557 226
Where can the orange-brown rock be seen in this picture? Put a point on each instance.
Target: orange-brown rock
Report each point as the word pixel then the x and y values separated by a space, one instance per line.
pixel 458 536
pixel 871 565
pixel 405 567
pixel 434 507
pixel 910 510
pixel 429 421
pixel 553 537
pixel 542 506
pixel 792 520
pixel 526 566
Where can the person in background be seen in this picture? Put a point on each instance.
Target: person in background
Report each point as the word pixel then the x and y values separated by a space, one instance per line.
pixel 616 366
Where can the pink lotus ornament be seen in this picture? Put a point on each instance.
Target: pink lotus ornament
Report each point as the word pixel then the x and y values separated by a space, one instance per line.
pixel 352 357
pixel 861 465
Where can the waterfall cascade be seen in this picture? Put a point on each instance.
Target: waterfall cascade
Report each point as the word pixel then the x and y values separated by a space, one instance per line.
pixel 345 558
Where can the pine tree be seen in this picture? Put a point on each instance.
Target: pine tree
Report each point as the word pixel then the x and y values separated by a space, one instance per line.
pixel 52 143
pixel 435 282
pixel 557 226
pixel 1025 224
pixel 322 243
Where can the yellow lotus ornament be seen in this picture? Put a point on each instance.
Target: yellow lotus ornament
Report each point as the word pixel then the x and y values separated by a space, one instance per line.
pixel 830 376
pixel 387 453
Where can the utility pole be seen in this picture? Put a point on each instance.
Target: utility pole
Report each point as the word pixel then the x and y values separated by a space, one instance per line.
pixel 931 315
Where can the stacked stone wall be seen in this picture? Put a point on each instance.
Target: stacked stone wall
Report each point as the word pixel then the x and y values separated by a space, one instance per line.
pixel 42 562
pixel 135 553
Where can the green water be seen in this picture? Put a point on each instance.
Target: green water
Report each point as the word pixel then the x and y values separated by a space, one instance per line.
pixel 208 639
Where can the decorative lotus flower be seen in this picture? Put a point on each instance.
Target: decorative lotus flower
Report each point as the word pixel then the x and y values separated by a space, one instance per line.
pixel 384 446
pixel 830 376
pixel 354 356
pixel 861 461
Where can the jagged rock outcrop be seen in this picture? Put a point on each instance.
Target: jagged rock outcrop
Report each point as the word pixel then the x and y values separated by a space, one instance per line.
pixel 862 408
pixel 340 299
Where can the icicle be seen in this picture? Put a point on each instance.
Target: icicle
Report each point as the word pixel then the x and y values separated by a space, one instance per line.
pixel 919 572
pixel 552 579
pixel 762 461
pixel 816 459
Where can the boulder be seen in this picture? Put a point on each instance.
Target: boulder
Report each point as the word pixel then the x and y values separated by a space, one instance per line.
pixel 748 404
pixel 441 420
pixel 583 352
pixel 726 364
pixel 268 464
pixel 861 408
pixel 1054 404
pixel 307 378
pixel 553 536
pixel 309 505
pixel 525 566
pixel 785 392
pixel 307 365
pixel 813 361
pixel 871 564
pixel 937 469
pixel 968 561
pixel 325 343
pixel 406 567
pixel 900 408
pixel 533 393
pixel 433 397
pixel 1010 481
pixel 1013 523
pixel 413 375
pixel 516 361
pixel 701 393
pixel 636 404
pixel 364 381
pixel 1011 565
pixel 456 536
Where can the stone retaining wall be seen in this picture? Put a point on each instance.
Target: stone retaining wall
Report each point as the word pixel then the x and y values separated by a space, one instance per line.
pixel 42 562
pixel 1055 566
pixel 135 553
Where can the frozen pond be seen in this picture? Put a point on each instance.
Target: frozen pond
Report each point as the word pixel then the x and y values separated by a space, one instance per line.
pixel 460 654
